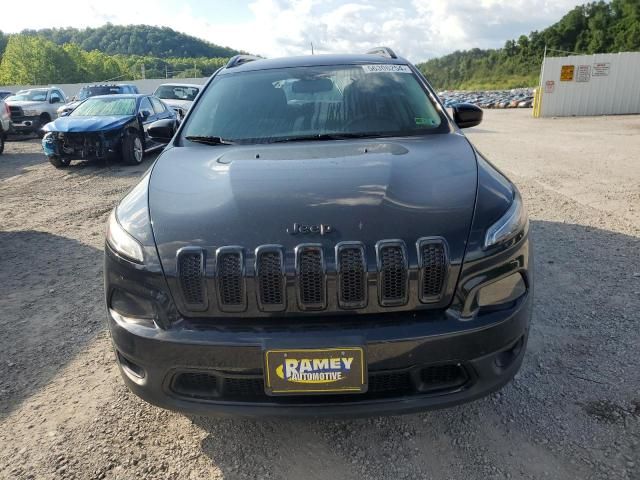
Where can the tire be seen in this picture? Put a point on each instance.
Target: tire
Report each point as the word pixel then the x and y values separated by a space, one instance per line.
pixel 132 149
pixel 44 119
pixel 59 162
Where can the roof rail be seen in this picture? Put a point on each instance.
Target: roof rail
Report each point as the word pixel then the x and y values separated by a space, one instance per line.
pixel 383 51
pixel 240 59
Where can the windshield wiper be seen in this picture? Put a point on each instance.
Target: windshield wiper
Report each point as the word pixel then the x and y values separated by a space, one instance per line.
pixel 325 136
pixel 209 140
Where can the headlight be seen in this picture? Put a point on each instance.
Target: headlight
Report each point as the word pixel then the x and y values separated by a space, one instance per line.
pixel 123 243
pixel 510 224
pixel 30 113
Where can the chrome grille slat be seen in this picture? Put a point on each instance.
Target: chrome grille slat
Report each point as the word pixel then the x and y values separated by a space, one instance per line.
pixel 433 263
pixel 270 275
pixel 311 278
pixel 351 267
pixel 231 279
pixel 393 273
pixel 190 265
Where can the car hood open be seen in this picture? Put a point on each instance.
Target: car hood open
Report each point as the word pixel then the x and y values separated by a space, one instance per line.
pixel 88 124
pixel 365 190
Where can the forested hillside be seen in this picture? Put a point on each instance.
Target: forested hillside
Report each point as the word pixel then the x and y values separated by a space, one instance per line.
pixel 31 58
pixel 598 27
pixel 141 40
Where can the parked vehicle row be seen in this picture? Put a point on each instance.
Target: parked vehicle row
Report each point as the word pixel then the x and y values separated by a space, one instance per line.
pixel 81 128
pixel 516 98
pixel 106 126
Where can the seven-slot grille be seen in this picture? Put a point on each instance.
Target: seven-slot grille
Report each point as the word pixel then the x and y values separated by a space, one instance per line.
pixel 191 277
pixel 352 275
pixel 230 269
pixel 432 258
pixel 311 277
pixel 393 273
pixel 269 280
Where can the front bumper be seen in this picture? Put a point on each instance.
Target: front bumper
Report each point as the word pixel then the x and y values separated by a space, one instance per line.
pixel 85 145
pixel 26 124
pixel 489 349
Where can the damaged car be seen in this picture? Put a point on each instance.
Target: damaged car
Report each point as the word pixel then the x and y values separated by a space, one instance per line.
pixel 108 126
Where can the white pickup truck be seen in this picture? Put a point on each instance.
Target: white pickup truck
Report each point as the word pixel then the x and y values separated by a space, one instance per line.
pixel 32 109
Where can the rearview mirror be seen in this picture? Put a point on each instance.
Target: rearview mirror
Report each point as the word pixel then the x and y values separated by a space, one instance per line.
pixel 316 85
pixel 162 131
pixel 466 115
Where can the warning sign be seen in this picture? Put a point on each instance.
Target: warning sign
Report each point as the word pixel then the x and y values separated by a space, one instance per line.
pixel 566 73
pixel 584 73
pixel 601 69
pixel 549 86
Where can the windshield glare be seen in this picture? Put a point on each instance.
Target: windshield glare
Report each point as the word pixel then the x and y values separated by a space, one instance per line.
pixel 30 96
pixel 168 92
pixel 281 104
pixel 105 107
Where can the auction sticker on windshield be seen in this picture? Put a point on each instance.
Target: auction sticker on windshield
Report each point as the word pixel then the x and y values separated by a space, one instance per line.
pixel 386 68
pixel 322 370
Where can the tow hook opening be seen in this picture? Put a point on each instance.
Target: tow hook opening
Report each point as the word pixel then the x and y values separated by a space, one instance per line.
pixel 134 371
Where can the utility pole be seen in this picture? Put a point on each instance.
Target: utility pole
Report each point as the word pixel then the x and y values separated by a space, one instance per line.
pixel 311 48
pixel 194 69
pixel 166 71
pixel 143 72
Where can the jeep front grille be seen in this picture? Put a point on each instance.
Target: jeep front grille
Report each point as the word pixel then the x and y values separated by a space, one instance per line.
pixel 230 267
pixel 352 275
pixel 432 257
pixel 393 272
pixel 191 277
pixel 312 277
pixel 270 277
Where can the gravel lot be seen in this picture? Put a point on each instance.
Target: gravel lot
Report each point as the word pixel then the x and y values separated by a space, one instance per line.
pixel 572 412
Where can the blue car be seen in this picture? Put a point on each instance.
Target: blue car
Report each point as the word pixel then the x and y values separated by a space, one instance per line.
pixel 107 126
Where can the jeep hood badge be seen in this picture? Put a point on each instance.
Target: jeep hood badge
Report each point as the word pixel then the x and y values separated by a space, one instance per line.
pixel 299 228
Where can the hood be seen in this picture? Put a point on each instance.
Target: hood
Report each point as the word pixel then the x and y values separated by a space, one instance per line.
pixel 23 103
pixel 212 196
pixel 88 124
pixel 184 104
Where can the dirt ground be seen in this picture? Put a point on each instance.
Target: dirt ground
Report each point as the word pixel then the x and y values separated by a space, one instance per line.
pixel 572 412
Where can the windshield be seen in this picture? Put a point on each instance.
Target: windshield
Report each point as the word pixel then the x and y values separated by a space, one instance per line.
pixel 105 106
pixel 169 92
pixel 86 92
pixel 289 103
pixel 30 95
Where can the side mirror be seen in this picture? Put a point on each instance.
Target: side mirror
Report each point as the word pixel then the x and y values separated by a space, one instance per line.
pixel 64 113
pixel 162 131
pixel 145 113
pixel 466 115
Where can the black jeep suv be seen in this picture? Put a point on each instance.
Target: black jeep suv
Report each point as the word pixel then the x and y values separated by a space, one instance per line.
pixel 319 238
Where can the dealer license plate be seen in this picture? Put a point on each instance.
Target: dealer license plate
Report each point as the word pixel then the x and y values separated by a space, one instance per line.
pixel 315 371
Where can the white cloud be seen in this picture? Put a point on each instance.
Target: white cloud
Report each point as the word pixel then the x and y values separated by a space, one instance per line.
pixel 418 29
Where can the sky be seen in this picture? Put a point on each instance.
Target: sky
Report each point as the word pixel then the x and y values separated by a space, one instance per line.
pixel 416 29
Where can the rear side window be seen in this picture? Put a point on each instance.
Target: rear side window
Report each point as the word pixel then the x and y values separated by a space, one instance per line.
pixel 277 104
pixel 145 104
pixel 157 105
